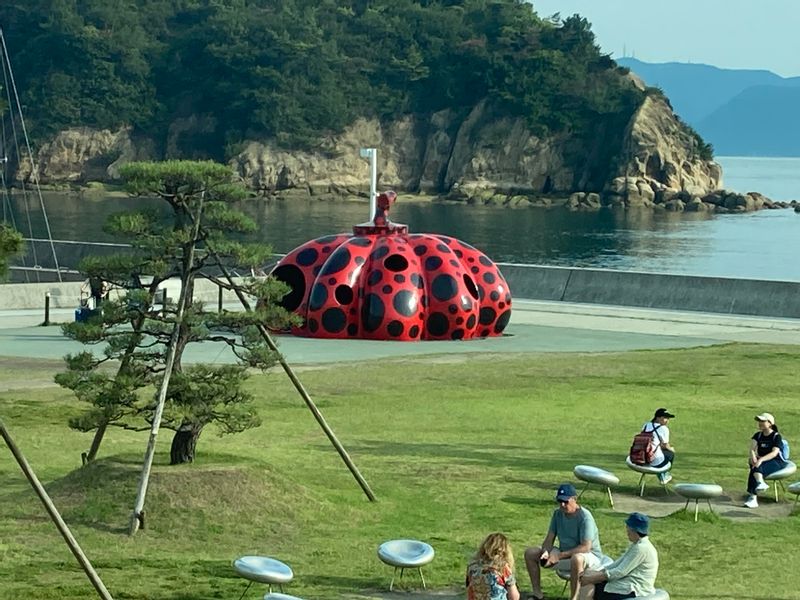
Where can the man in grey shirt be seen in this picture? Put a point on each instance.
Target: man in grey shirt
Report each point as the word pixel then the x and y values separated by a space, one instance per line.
pixel 632 574
pixel 578 544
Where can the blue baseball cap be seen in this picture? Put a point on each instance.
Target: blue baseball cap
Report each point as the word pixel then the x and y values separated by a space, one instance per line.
pixel 639 523
pixel 566 491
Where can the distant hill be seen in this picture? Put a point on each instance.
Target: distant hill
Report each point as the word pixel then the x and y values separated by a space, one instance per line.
pixel 761 121
pixel 739 111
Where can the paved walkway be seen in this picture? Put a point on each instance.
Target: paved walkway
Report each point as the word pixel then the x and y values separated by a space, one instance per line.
pixel 535 327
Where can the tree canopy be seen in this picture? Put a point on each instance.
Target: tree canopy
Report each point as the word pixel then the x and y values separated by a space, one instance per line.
pixel 295 70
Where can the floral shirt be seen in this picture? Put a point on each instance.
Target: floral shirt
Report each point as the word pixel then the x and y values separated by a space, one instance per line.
pixel 484 582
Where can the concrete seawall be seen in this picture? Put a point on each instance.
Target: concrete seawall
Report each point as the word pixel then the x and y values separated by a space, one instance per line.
pixel 655 290
pixel 590 286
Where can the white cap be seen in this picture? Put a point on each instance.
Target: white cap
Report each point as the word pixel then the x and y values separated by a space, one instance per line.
pixel 765 417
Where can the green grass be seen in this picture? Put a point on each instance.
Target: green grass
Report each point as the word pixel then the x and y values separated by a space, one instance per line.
pixel 453 451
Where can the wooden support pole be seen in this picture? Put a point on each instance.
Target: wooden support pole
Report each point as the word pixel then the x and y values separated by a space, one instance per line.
pixel 298 385
pixel 72 543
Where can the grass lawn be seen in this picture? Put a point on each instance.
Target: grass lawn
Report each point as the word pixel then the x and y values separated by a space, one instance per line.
pixel 454 447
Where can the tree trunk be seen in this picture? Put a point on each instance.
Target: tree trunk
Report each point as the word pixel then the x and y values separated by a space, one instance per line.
pixel 183 443
pixel 98 437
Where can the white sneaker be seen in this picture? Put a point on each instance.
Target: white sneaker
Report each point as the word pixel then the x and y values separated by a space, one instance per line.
pixel 762 487
pixel 751 502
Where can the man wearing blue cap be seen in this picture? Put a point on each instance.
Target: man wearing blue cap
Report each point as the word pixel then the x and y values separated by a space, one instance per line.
pixel 578 539
pixel 632 574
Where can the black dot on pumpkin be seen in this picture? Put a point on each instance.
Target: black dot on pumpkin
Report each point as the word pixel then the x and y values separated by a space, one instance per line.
pixel 508 298
pixel 443 249
pixel 396 263
pixel 437 324
pixel 326 249
pixel 502 322
pixel 327 239
pixel 475 270
pixel 379 253
pixel 444 287
pixel 471 322
pixel 405 303
pixel 332 281
pixel 458 334
pixel 494 296
pixel 343 294
pixel 484 261
pixel 501 306
pixel 489 277
pixel 460 321
pixel 432 263
pixel 416 280
pixel 481 292
pixel 334 320
pixel 292 276
pixel 420 250
pixel 459 253
pixel 424 301
pixel 375 277
pixel 485 333
pixel 414 331
pixel 313 325
pixel 319 296
pixel 307 257
pixel 361 241
pixel 400 278
pixel 352 329
pixel 395 328
pixel 445 239
pixel 488 315
pixel 359 260
pixel 337 261
pixel 387 289
pixel 452 309
pixel 372 312
pixel 470 259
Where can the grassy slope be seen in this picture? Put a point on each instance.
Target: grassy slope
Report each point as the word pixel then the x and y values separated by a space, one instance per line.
pixel 452 450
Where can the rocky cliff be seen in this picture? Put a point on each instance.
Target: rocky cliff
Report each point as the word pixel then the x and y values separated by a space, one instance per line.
pixel 469 156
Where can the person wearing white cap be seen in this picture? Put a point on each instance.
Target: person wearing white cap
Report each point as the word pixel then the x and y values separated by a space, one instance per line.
pixel 765 457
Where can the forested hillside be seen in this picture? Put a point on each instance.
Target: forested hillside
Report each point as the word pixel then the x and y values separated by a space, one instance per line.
pixel 296 70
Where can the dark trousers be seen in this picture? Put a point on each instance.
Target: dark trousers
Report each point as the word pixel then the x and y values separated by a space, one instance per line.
pixel 600 593
pixel 669 457
pixel 766 468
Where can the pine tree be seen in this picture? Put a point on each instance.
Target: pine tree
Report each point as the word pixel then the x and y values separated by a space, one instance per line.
pixel 133 325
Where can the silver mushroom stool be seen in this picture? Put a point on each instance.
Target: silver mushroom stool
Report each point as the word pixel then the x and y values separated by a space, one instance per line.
pixel 646 470
pixel 794 488
pixel 778 476
pixel 596 475
pixel 277 596
pixel 405 554
pixel 697 492
pixel 262 569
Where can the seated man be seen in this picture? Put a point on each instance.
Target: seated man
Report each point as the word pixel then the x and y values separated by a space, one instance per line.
pixel 663 451
pixel 632 574
pixel 578 543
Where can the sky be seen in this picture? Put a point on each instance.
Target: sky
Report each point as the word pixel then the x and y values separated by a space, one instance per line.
pixel 734 34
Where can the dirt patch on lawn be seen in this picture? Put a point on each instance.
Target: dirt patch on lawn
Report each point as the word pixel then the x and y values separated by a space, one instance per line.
pixel 728 505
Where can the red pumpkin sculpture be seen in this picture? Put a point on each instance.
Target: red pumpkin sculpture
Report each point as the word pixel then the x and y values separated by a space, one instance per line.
pixel 382 283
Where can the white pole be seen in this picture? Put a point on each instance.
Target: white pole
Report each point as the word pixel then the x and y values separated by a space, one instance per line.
pixel 373 183
pixel 372 154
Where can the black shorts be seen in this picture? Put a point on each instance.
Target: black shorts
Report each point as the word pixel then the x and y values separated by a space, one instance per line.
pixel 600 593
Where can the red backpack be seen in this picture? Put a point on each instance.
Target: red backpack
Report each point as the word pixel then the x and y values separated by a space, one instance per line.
pixel 642 449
